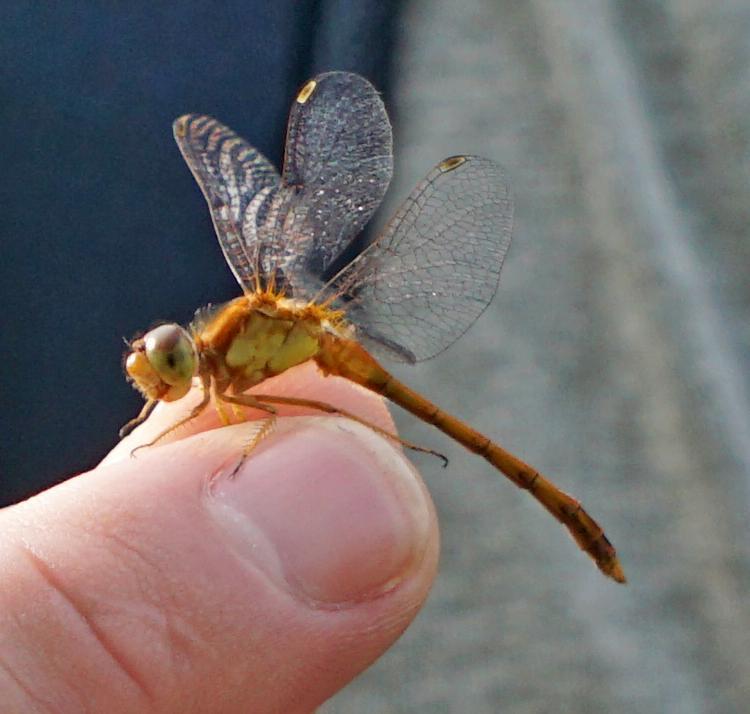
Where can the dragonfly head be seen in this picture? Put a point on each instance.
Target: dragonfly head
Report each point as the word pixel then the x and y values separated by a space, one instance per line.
pixel 163 362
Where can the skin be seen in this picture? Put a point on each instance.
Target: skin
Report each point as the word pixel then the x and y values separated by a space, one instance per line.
pixel 161 584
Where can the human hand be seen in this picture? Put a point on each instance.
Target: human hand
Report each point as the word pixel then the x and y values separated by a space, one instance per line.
pixel 159 584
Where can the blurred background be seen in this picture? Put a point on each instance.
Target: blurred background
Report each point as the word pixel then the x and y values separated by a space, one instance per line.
pixel 615 357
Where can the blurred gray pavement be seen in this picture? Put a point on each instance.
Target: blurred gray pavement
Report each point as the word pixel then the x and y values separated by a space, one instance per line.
pixel 614 358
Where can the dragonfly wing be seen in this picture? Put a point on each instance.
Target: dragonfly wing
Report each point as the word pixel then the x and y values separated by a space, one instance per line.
pixel 337 167
pixel 436 266
pixel 239 184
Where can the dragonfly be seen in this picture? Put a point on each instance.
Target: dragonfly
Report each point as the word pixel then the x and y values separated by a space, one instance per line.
pixel 406 296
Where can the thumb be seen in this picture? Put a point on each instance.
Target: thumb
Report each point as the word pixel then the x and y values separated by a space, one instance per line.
pixel 163 584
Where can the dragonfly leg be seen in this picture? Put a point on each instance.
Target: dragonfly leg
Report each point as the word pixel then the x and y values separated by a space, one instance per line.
pixel 225 418
pixel 194 412
pixel 266 427
pixel 331 409
pixel 262 428
pixel 237 401
pixel 148 407
pixel 245 400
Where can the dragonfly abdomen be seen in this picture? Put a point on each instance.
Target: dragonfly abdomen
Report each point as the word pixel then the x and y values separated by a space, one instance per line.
pixel 349 360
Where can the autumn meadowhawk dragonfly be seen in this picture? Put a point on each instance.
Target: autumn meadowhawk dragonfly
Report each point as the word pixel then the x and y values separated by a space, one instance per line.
pixel 407 296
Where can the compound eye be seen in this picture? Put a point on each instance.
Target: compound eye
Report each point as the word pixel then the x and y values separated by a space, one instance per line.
pixel 171 353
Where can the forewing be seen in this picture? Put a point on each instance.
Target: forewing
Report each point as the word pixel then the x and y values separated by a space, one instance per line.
pixel 338 164
pixel 239 184
pixel 436 266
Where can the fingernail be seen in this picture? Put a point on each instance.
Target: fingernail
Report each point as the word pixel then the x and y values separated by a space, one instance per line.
pixel 327 508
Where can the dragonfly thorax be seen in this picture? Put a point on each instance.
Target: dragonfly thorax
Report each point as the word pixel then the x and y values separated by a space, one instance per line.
pixel 259 336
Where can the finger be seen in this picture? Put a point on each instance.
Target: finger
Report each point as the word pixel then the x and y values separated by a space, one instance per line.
pixel 160 584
